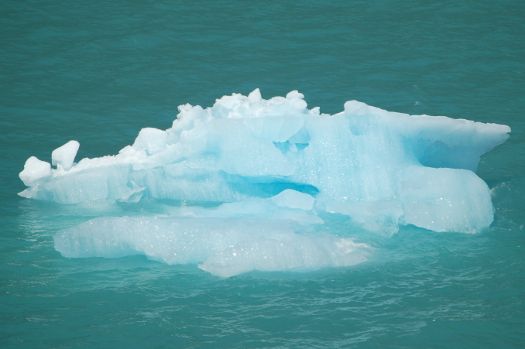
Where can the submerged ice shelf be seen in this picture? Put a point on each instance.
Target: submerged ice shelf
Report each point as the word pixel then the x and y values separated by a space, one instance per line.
pixel 270 169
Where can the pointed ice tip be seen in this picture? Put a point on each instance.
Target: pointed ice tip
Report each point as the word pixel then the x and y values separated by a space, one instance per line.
pixel 255 95
pixel 64 156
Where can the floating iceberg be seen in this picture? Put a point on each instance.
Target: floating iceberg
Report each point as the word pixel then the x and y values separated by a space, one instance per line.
pixel 381 169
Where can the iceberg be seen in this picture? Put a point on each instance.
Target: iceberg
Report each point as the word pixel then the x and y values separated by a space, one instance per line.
pixel 279 160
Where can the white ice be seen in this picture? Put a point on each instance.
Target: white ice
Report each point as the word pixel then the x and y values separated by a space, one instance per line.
pixel 225 241
pixel 380 169
pixel 64 156
pixel 34 170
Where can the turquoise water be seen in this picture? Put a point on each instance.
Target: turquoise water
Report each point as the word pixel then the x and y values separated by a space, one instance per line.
pixel 100 72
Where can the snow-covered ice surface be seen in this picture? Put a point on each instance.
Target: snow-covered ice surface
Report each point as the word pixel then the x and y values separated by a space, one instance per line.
pixel 250 179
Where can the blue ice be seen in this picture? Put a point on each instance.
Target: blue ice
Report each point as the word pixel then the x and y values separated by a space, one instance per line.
pixel 269 169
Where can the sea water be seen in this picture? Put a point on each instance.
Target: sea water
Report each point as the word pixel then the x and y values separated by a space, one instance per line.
pixel 99 73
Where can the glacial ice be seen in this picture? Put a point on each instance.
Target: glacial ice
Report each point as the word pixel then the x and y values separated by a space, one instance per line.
pixel 34 170
pixel 227 240
pixel 272 168
pixel 64 156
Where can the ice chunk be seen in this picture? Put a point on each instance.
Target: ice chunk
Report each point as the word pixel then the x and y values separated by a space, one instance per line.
pixel 151 140
pixel 221 246
pixel 444 199
pixel 34 170
pixel 64 156
pixel 382 169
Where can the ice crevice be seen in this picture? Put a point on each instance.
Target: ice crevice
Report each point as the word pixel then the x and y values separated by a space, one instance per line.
pixel 259 173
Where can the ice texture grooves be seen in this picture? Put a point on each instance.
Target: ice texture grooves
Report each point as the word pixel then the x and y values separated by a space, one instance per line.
pixel 380 169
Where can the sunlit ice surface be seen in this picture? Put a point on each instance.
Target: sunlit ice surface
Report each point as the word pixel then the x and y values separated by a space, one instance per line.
pixel 264 184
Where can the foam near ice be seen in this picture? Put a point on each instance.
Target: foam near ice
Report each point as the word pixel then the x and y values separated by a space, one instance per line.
pixel 380 169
